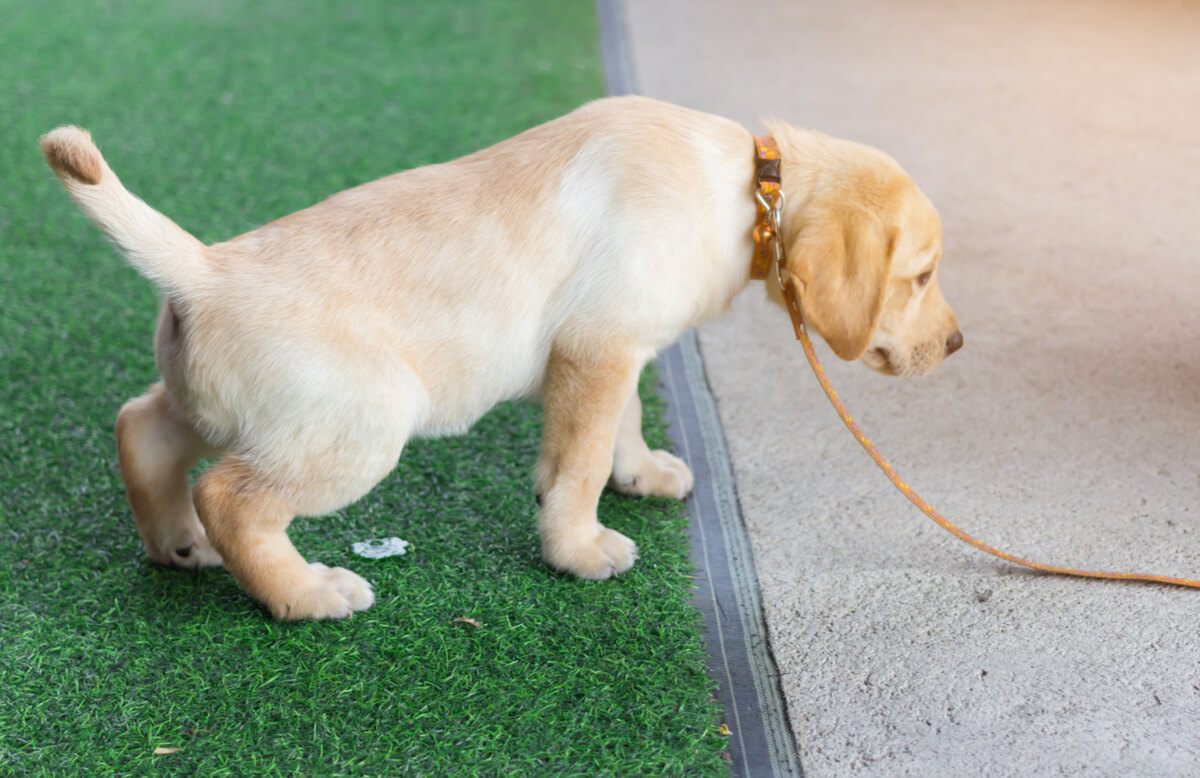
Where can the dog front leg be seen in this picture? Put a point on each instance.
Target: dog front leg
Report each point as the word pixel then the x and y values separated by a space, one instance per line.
pixel 637 470
pixel 584 396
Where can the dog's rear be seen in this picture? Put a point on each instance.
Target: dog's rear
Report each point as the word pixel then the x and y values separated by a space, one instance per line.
pixel 229 390
pixel 156 443
pixel 161 251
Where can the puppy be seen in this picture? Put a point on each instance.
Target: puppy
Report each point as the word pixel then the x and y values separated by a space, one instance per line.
pixel 555 264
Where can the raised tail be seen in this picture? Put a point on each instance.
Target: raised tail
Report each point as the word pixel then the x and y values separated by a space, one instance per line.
pixel 160 250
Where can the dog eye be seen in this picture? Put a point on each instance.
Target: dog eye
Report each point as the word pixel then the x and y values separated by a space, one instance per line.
pixel 924 278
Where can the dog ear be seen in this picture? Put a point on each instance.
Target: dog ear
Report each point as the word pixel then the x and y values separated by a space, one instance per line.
pixel 840 264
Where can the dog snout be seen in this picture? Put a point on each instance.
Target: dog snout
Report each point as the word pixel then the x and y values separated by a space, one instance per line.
pixel 954 342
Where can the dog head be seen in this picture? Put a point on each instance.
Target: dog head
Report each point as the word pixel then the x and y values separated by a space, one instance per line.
pixel 863 246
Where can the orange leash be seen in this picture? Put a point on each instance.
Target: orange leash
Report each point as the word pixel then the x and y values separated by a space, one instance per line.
pixel 926 508
pixel 768 250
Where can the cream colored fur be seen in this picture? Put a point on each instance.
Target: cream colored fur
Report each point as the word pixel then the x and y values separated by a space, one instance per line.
pixel 555 264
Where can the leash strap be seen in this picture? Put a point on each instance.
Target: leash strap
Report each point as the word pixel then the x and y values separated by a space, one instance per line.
pixel 793 306
pixel 928 509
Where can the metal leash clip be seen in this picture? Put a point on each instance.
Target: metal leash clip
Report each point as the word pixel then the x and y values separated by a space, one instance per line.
pixel 773 207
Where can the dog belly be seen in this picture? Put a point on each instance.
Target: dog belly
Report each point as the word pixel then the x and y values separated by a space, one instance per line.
pixel 463 388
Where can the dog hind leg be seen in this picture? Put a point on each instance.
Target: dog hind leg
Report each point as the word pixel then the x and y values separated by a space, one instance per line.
pixel 157 447
pixel 247 519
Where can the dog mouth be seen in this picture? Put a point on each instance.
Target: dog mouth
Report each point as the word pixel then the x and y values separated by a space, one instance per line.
pixel 921 361
pixel 880 360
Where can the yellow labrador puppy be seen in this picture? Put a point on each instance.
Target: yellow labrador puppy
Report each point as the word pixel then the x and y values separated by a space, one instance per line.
pixel 556 264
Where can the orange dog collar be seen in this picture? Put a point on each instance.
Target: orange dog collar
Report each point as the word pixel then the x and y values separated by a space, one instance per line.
pixel 767 192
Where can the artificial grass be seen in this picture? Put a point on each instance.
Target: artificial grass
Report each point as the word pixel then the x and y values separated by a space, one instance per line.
pixel 225 115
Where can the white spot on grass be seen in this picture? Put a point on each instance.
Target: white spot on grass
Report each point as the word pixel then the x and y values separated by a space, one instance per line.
pixel 381 548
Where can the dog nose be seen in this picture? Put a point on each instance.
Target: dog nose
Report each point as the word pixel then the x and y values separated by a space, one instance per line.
pixel 954 342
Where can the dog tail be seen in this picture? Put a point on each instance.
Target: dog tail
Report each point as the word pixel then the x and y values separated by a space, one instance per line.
pixel 157 247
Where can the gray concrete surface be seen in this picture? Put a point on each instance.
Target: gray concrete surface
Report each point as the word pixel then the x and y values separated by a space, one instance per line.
pixel 1061 142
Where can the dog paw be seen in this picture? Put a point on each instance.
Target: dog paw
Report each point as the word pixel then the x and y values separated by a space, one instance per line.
pixel 199 554
pixel 332 593
pixel 596 558
pixel 187 550
pixel 656 474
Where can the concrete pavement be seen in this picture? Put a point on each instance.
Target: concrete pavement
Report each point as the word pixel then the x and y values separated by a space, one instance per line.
pixel 1060 141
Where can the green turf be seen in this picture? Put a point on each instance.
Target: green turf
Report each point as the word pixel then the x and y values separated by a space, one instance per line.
pixel 225 115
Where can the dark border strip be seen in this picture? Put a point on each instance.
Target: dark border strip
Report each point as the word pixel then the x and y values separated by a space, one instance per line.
pixel 614 48
pixel 727 594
